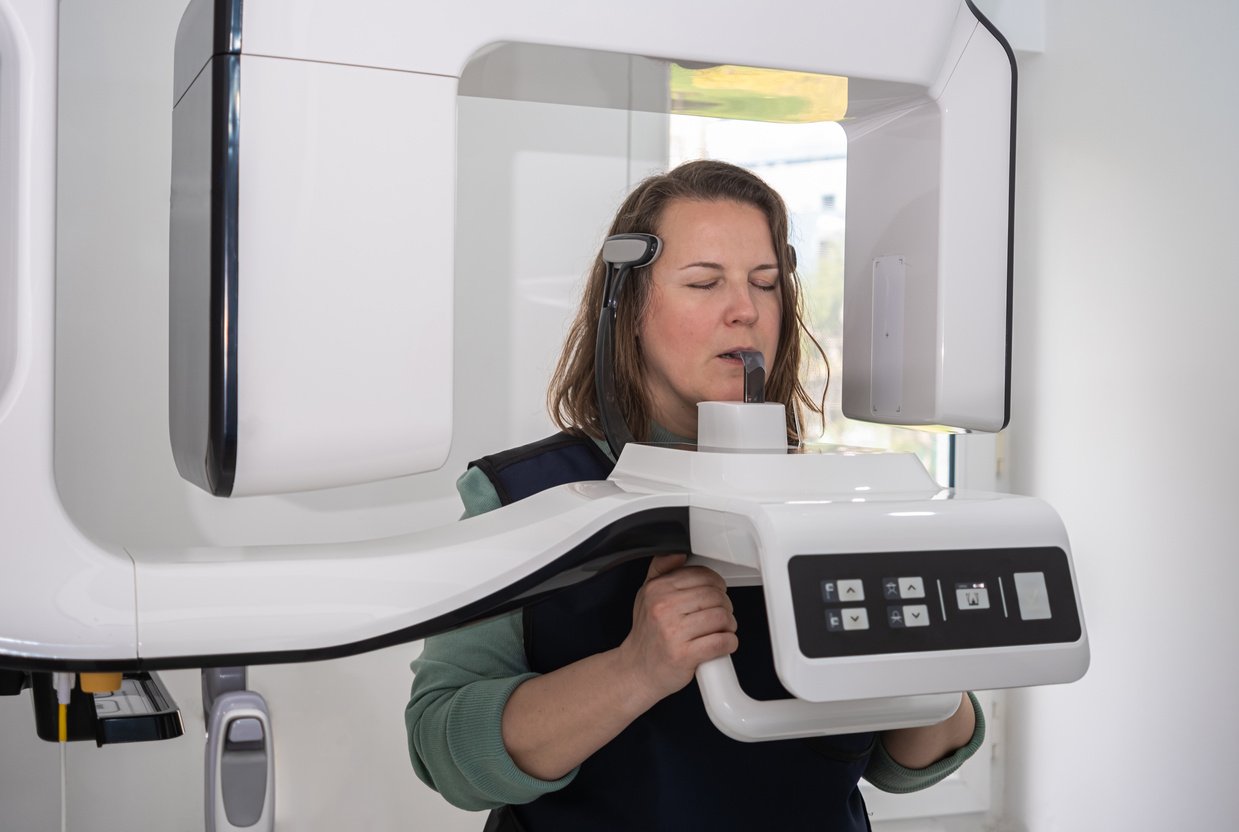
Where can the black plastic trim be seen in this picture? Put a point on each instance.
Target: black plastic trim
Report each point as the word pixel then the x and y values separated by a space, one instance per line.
pixel 951 447
pixel 80 716
pixel 227 27
pixel 221 453
pixel 993 30
pixel 83 721
pixel 614 426
pixel 208 28
pixel 13 682
pixel 650 532
pixel 162 723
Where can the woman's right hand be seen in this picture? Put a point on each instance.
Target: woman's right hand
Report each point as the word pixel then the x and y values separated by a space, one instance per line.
pixel 680 618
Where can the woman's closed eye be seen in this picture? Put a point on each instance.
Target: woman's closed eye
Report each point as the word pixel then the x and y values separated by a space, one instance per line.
pixel 712 284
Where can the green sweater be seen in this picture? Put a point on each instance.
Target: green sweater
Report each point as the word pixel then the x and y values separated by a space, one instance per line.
pixel 461 685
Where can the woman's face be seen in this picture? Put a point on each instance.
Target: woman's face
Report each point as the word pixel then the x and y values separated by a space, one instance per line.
pixel 715 290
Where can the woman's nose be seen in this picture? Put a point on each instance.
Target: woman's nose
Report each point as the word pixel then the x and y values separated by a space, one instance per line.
pixel 741 307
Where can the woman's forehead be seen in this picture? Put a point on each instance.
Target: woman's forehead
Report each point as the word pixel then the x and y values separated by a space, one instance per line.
pixel 687 225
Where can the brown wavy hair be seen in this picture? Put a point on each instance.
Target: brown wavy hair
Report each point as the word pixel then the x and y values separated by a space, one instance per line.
pixel 572 398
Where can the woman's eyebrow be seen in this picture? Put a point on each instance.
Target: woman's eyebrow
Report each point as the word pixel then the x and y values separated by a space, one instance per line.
pixel 703 264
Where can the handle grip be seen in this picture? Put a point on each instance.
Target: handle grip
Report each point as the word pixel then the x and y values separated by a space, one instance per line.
pixel 240 765
pixel 743 718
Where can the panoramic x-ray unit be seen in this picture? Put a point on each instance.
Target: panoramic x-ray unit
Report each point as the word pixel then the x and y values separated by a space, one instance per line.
pixel 311 344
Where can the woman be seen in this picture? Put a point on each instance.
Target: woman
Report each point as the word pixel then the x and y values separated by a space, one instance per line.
pixel 580 712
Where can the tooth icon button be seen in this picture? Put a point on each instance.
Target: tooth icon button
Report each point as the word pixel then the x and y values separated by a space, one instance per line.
pixel 971 597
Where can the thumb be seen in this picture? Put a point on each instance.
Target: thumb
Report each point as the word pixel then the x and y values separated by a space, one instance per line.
pixel 662 564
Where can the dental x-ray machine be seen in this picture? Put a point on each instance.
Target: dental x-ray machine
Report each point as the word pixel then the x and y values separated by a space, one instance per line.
pixel 311 263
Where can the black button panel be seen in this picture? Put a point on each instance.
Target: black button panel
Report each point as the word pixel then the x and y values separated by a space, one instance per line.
pixel 896 602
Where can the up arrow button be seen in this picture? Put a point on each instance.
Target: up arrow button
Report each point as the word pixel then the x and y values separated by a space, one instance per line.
pixel 852 590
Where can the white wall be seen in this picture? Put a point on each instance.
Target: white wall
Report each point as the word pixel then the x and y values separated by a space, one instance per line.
pixel 536 185
pixel 1125 396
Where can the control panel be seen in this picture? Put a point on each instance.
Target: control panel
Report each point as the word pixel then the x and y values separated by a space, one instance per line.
pixel 899 602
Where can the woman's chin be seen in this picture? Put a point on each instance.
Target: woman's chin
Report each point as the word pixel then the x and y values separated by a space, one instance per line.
pixel 730 393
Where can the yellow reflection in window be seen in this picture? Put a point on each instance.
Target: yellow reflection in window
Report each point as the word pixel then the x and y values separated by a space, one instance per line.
pixel 757 94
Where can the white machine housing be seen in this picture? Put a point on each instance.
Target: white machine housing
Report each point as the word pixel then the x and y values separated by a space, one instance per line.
pixel 73 603
pixel 313 192
pixel 866 519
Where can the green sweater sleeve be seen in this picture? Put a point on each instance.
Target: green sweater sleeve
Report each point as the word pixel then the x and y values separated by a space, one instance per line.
pixel 886 774
pixel 461 684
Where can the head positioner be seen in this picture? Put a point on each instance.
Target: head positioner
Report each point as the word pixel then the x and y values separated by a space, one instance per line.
pixel 622 253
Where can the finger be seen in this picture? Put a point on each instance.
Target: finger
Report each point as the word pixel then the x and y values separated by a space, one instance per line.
pixel 686 629
pixel 703 598
pixel 713 646
pixel 704 622
pixel 667 605
pixel 662 564
pixel 706 597
pixel 687 577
